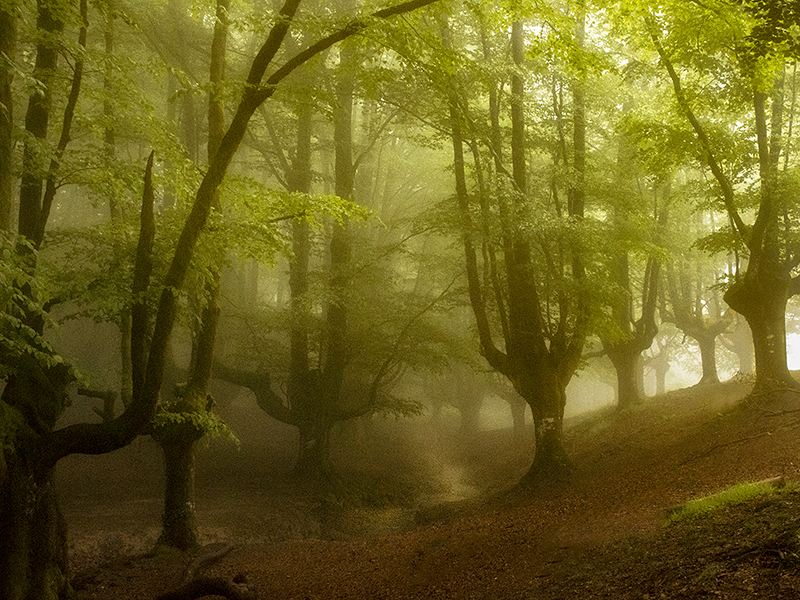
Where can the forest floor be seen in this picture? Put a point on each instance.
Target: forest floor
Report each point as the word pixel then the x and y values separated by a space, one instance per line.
pixel 603 535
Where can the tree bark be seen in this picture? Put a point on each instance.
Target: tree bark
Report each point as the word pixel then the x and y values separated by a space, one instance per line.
pixel 33 555
pixel 627 364
pixel 8 52
pixel 762 302
pixel 37 120
pixel 179 524
pixel 550 462
pixel 769 342
pixel 708 359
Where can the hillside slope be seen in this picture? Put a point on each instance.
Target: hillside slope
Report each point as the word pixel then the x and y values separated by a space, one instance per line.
pixel 600 536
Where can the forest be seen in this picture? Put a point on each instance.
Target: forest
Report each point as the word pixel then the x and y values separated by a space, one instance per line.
pixel 399 299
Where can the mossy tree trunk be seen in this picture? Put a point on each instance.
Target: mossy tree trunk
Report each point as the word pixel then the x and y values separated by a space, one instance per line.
pixel 763 304
pixel 33 553
pixel 708 359
pixel 547 400
pixel 626 359
pixel 179 521
pixel 8 50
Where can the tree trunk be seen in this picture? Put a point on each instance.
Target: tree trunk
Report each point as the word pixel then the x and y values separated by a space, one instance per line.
pixel 708 357
pixel 336 318
pixel 762 302
pixel 518 416
pixel 126 377
pixel 8 43
pixel 179 522
pixel 37 119
pixel 769 343
pixel 178 440
pixel 313 461
pixel 33 553
pixel 661 378
pixel 627 364
pixel 300 387
pixel 550 462
pixel 470 410
pixel 742 339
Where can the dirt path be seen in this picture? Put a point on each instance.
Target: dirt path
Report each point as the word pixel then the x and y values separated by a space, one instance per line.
pixel 629 469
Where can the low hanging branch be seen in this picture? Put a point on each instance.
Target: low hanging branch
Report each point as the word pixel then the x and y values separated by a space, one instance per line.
pixel 387 364
pixel 100 438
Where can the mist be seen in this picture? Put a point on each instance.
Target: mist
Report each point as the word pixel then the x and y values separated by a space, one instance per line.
pixel 411 299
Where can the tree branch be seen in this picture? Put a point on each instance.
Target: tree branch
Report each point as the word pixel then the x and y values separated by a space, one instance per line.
pixel 728 195
pixel 94 438
pixel 260 384
pixel 66 126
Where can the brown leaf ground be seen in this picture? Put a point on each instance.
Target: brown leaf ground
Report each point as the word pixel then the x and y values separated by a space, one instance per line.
pixel 601 536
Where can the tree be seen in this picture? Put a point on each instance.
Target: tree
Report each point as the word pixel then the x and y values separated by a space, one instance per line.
pixel 630 335
pixel 755 66
pixel 354 325
pixel 659 361
pixel 543 306
pixel 739 340
pixel 701 318
pixel 181 424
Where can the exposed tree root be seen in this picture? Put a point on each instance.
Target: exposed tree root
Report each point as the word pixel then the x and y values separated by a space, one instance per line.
pixel 692 458
pixel 236 589
pixel 194 586
pixel 204 558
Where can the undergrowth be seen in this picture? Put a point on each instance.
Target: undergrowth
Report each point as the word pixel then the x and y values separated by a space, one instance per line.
pixel 731 496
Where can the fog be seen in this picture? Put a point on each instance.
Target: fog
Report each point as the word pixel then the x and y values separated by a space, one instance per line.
pixel 396 299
